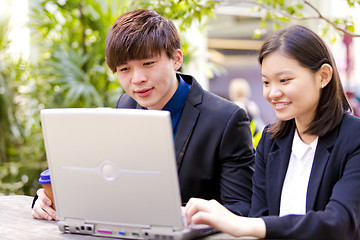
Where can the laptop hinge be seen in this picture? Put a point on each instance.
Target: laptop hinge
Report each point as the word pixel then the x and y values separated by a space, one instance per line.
pixel 75 225
pixel 161 233
pixel 161 229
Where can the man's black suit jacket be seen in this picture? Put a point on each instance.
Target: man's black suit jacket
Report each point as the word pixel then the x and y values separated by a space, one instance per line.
pixel 213 147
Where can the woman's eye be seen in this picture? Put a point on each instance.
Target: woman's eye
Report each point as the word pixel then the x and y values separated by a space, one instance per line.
pixel 284 80
pixel 265 83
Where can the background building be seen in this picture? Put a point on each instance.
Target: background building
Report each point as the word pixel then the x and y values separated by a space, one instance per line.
pixel 234 50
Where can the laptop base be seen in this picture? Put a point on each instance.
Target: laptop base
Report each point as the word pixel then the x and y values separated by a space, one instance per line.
pixel 78 226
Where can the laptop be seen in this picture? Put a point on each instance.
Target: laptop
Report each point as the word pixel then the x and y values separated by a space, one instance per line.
pixel 114 173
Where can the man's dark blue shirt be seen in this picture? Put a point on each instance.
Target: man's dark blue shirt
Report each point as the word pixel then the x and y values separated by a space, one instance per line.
pixel 176 103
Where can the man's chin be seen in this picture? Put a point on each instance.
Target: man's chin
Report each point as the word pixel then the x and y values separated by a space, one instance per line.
pixel 145 104
pixel 148 104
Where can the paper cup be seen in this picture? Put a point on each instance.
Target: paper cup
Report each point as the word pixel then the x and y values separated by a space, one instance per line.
pixel 45 181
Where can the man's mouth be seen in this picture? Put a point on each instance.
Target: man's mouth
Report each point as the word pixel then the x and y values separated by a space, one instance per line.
pixel 145 92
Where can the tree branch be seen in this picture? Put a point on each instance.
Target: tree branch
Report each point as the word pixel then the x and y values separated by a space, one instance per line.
pixel 319 15
pixel 331 22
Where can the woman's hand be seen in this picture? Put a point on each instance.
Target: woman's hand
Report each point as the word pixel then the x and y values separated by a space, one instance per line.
pixel 212 213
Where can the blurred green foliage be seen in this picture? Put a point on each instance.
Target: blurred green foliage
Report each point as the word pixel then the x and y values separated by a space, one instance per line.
pixel 20 146
pixel 66 69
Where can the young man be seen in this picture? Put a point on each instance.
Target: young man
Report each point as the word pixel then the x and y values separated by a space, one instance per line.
pixel 212 137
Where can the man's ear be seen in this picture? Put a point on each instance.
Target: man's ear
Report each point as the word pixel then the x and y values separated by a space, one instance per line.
pixel 325 74
pixel 178 59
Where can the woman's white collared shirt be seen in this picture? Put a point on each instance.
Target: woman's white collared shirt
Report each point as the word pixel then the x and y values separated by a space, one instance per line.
pixel 293 195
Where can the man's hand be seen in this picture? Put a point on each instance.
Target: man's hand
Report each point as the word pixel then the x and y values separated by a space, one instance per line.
pixel 42 208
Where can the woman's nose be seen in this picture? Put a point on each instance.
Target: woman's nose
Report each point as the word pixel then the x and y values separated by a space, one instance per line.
pixel 275 92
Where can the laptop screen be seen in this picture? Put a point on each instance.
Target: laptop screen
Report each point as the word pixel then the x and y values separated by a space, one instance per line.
pixel 113 166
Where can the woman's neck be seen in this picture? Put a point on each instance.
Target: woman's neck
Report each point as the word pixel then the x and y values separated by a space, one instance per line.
pixel 306 138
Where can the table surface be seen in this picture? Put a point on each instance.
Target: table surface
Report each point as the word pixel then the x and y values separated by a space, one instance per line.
pixel 16 222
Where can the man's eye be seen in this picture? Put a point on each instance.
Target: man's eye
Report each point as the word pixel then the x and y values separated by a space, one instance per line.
pixel 148 63
pixel 265 83
pixel 123 69
pixel 284 80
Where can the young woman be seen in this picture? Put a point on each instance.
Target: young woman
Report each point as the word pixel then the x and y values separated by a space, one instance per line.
pixel 306 183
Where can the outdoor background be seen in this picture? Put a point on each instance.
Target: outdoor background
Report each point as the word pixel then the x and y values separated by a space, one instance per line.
pixel 52 56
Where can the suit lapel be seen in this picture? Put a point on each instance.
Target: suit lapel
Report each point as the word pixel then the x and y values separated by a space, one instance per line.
pixel 138 106
pixel 188 119
pixel 321 158
pixel 277 165
pixel 186 127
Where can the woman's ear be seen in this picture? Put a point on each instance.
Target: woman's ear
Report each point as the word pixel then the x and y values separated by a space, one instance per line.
pixel 325 74
pixel 178 59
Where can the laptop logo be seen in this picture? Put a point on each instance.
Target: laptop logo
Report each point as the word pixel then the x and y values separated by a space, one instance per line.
pixel 109 171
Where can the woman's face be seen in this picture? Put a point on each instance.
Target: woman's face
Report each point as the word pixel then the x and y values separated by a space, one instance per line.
pixel 291 89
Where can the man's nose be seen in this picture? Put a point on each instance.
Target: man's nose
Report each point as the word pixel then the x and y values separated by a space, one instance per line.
pixel 138 76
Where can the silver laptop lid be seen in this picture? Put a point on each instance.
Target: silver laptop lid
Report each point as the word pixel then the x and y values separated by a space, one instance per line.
pixel 113 166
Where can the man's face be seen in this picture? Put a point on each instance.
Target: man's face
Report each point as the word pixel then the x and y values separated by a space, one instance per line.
pixel 151 82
